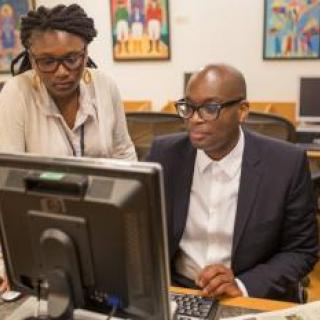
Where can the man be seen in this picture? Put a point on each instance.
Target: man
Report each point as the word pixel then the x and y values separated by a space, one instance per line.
pixel 241 218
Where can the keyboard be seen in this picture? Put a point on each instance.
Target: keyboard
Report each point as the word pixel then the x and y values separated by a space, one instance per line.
pixel 192 307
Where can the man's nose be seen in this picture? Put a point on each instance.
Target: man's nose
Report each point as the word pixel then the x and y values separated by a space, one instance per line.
pixel 196 117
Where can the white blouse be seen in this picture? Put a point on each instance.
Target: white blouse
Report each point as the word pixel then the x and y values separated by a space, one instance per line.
pixel 31 122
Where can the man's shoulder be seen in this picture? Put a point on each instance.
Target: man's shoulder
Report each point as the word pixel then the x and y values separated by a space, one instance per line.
pixel 168 147
pixel 172 141
pixel 271 146
pixel 100 76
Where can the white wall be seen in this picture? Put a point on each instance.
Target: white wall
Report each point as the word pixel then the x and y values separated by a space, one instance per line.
pixel 202 31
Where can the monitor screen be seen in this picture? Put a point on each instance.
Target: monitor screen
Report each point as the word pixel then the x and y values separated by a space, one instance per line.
pixel 309 102
pixel 91 229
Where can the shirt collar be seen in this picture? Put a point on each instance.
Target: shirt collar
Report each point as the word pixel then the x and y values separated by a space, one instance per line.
pixel 230 164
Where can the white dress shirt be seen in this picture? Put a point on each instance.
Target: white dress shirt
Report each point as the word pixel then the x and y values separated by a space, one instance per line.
pixel 208 235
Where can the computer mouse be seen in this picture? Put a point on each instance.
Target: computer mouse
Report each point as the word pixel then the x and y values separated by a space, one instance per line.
pixel 10 295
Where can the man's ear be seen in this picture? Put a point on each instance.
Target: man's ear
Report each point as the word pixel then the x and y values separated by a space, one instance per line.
pixel 243 111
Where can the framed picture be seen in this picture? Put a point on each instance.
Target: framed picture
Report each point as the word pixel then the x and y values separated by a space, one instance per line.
pixel 140 30
pixel 10 45
pixel 291 29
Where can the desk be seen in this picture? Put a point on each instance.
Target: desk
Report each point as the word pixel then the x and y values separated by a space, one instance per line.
pixel 249 303
pixel 315 155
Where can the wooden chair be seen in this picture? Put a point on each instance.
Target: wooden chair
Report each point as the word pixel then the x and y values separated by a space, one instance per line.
pixel 271 125
pixel 284 109
pixel 169 107
pixel 137 105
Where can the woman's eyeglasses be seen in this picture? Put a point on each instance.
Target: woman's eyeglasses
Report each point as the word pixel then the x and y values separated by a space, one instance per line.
pixel 206 111
pixel 51 64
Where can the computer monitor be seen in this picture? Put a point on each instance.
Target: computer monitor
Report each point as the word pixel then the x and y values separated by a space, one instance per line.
pixel 92 231
pixel 309 101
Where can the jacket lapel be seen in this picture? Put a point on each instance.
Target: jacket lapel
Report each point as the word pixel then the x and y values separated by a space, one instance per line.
pixel 249 184
pixel 183 177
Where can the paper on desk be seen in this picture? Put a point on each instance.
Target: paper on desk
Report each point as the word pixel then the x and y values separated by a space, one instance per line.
pixel 308 311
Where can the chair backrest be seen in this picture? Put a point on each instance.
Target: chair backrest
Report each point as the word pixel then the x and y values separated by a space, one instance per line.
pixel 169 107
pixel 145 126
pixel 271 125
pixel 282 109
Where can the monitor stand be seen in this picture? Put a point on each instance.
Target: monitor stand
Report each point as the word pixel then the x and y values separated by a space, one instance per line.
pixel 30 308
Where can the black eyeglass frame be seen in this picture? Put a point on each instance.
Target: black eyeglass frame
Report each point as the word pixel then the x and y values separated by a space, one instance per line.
pixel 60 60
pixel 217 107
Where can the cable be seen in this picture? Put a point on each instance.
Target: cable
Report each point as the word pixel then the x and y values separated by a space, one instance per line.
pixel 112 313
pixel 114 302
pixel 38 298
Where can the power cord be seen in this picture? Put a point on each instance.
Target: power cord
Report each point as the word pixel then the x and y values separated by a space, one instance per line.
pixel 38 299
pixel 112 313
pixel 114 302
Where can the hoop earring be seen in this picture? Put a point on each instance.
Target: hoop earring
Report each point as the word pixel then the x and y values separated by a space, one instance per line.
pixel 36 82
pixel 87 78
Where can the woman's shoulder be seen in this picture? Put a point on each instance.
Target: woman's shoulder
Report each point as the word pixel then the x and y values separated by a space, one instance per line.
pixel 100 78
pixel 20 83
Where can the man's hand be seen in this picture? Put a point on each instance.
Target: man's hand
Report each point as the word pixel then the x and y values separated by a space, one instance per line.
pixel 217 280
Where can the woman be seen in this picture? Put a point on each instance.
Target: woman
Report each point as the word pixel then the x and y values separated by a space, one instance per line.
pixel 56 106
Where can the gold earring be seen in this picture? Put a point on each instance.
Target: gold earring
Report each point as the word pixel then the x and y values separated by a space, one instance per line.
pixel 36 82
pixel 87 78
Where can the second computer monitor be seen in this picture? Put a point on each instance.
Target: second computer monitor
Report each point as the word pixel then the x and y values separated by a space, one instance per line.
pixel 309 100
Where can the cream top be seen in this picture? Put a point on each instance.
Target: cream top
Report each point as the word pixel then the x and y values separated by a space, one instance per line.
pixel 31 122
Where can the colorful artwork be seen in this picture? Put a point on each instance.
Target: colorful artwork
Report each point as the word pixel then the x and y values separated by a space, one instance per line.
pixel 291 29
pixel 140 29
pixel 10 45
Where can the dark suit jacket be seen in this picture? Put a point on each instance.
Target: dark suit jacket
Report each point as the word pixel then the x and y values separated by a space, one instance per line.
pixel 275 234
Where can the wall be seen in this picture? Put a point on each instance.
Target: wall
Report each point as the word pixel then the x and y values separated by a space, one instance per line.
pixel 202 31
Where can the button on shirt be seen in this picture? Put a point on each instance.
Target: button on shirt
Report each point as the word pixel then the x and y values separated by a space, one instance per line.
pixel 208 235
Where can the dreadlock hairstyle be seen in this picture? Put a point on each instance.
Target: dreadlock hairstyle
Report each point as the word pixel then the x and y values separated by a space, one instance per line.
pixel 72 19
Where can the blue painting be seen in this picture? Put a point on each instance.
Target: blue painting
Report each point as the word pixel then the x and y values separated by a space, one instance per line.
pixel 10 45
pixel 291 29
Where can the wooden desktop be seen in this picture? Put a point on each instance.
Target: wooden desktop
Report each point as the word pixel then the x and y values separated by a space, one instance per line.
pixel 6 309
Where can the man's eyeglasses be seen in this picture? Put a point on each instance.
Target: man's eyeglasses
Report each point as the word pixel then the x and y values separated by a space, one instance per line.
pixel 206 111
pixel 51 64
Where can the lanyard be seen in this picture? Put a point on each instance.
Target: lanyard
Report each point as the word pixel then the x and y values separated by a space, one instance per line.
pixel 81 142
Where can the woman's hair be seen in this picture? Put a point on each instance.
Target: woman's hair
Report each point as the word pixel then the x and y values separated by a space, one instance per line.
pixel 72 19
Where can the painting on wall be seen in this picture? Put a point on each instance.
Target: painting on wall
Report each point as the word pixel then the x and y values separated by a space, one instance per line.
pixel 140 30
pixel 10 45
pixel 291 29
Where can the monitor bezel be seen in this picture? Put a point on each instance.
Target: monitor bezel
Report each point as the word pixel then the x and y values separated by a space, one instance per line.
pixel 300 118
